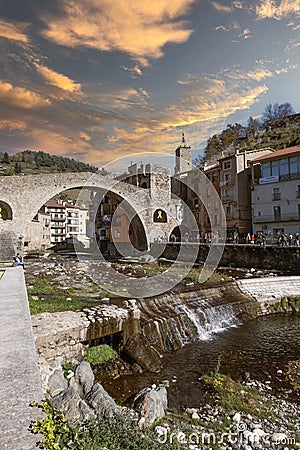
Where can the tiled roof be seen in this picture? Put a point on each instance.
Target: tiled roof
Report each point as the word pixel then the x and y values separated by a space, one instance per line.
pixel 278 153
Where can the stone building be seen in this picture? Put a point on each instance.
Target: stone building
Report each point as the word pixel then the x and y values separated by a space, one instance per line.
pixel 276 192
pixel 38 234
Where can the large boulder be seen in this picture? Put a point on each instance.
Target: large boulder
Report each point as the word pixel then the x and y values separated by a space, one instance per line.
pixel 57 382
pixel 85 376
pixel 73 407
pixel 151 404
pixel 103 404
pixel 140 350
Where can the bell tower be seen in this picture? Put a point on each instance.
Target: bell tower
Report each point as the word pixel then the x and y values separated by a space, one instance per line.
pixel 183 157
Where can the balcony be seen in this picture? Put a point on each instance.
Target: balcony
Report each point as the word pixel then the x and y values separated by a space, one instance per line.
pixel 282 218
pixel 227 198
pixel 226 183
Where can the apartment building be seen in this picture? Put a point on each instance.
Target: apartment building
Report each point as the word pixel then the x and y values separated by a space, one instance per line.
pixel 276 192
pixel 55 222
pixel 235 189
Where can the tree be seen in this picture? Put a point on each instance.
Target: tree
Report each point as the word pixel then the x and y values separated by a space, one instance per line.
pixel 252 127
pixel 18 168
pixel 6 159
pixel 230 135
pixel 213 147
pixel 277 111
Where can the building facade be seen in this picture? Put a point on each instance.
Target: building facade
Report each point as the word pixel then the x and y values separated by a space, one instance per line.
pixel 276 193
pixel 235 190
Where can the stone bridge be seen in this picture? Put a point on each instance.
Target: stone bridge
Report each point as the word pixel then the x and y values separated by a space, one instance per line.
pixel 22 196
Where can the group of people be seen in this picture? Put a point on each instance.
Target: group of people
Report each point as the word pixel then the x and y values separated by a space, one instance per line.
pixel 288 240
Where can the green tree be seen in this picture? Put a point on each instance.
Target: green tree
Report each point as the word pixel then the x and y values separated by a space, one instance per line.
pixel 6 158
pixel 18 168
pixel 213 148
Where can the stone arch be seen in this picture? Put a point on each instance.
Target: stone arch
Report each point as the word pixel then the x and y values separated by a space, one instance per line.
pixel 137 227
pixel 5 211
pixel 179 233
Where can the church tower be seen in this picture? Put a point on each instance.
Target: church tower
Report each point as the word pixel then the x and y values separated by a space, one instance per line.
pixel 183 157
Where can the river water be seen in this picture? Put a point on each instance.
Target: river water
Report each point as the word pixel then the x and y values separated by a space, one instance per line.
pixel 261 347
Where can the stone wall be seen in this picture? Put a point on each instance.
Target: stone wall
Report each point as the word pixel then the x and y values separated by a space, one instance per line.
pixel 273 258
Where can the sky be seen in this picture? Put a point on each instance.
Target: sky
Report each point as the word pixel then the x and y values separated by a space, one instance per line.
pixel 97 80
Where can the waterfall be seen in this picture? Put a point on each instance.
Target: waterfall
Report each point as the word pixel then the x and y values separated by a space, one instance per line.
pixel 210 320
pixel 172 321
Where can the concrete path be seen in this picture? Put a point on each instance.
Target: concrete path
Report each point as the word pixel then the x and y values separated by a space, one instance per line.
pixel 19 372
pixel 270 289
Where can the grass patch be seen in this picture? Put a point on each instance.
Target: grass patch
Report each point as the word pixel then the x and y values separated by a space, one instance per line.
pixel 100 354
pixel 44 295
pixel 234 396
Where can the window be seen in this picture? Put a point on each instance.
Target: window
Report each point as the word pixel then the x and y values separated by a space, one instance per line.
pixel 298 191
pixel 284 167
pixel 293 164
pixel 276 194
pixel 277 213
pixel 265 170
pixel 227 165
pixel 196 203
pixel 274 168
pixel 215 205
pixel 298 212
pixel 227 178
pixel 215 177
pixel 228 211
pixel 215 219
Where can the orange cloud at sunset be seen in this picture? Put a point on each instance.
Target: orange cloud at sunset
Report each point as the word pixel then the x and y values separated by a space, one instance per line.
pixel 56 79
pixel 141 30
pixel 12 31
pixel 20 97
pixel 269 9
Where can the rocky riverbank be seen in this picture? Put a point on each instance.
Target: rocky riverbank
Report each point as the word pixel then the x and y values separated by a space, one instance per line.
pixel 244 415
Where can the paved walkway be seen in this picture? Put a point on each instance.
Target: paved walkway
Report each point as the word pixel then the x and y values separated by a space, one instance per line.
pixel 270 289
pixel 19 373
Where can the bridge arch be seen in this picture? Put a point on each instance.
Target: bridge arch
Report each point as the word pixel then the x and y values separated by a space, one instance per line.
pixel 25 195
pixel 5 211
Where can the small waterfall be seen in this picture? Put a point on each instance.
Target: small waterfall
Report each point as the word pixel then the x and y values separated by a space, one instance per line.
pixel 172 321
pixel 211 320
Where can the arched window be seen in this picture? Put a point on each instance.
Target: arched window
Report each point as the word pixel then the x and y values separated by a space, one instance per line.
pixel 5 211
pixel 160 216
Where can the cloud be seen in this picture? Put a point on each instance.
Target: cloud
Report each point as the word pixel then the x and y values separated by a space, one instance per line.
pixel 238 4
pixel 140 30
pixel 13 31
pixel 269 9
pixel 20 97
pixel 233 27
pixel 260 74
pixel 246 33
pixel 56 79
pixel 222 8
pixel 135 70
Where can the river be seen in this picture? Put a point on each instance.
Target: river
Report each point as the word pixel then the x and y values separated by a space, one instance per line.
pixel 261 347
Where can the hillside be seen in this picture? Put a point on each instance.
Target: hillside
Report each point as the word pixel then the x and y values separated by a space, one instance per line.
pixel 277 133
pixel 30 162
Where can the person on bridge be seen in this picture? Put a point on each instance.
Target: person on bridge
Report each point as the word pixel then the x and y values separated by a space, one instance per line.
pixel 18 260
